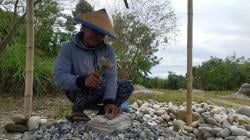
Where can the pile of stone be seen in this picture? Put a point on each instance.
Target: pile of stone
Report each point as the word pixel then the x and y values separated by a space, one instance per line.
pixel 65 130
pixel 244 90
pixel 154 120
pixel 209 122
pixel 20 124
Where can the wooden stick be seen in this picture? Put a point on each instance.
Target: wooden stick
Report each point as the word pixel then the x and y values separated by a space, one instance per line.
pixel 189 61
pixel 28 93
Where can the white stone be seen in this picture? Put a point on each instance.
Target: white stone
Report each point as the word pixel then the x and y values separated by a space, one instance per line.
pixel 147 116
pixel 216 130
pixel 156 107
pixel 34 122
pixel 172 116
pixel 160 119
pixel 152 123
pixel 178 124
pixel 248 134
pixel 166 117
pixel 135 106
pixel 43 121
pixel 226 124
pixel 225 132
pixel 241 138
pixel 160 112
pixel 220 117
pixel 139 102
pixel 170 105
pixel 238 131
pixel 188 129
pixel 211 121
pixel 143 107
pixel 205 129
pixel 151 113
pixel 216 110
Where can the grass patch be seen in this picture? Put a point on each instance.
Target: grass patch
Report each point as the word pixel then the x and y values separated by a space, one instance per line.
pixel 12 72
pixel 63 110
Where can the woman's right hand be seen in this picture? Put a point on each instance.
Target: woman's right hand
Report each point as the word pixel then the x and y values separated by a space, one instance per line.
pixel 93 80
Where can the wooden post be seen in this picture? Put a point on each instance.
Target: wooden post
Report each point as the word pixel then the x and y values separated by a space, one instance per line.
pixel 28 93
pixel 189 61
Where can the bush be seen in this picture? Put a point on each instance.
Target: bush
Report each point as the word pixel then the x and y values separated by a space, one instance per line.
pixel 12 72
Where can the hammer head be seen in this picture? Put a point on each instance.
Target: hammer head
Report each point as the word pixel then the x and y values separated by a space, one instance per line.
pixel 105 64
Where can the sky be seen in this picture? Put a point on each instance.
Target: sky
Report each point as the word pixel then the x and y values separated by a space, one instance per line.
pixel 221 28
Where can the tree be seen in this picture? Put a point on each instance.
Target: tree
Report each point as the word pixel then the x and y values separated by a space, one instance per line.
pixel 134 48
pixel 157 15
pixel 140 31
pixel 14 19
pixel 221 74
pixel 81 7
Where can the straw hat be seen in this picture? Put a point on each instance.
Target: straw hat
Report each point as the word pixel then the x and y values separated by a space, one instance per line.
pixel 98 21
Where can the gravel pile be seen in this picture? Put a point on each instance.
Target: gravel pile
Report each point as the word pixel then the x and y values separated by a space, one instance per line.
pixel 66 130
pixel 159 121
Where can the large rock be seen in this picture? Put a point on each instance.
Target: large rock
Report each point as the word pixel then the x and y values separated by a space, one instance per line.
pixel 103 124
pixel 19 119
pixel 11 127
pixel 245 110
pixel 34 122
pixel 225 132
pixel 238 131
pixel 178 124
pixel 244 89
pixel 181 114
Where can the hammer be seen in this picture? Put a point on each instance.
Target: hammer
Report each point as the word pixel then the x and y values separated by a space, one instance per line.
pixel 105 64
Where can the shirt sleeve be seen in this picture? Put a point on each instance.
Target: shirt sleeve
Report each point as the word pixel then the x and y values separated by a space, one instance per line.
pixel 62 69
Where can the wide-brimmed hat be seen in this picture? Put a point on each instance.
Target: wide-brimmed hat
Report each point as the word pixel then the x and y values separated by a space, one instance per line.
pixel 98 21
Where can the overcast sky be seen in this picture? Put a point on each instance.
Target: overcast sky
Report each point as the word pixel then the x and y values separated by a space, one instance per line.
pixel 221 28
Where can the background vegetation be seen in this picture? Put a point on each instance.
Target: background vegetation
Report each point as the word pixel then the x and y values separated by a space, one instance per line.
pixel 141 31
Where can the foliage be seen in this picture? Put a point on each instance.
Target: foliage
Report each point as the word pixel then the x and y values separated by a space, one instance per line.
pixel 158 15
pixel 219 74
pixel 81 7
pixel 141 30
pixel 135 43
pixel 214 74
pixel 12 72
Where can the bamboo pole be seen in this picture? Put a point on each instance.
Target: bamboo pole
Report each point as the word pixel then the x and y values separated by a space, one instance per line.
pixel 28 93
pixel 189 61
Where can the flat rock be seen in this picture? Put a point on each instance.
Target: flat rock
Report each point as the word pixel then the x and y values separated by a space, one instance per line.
pixel 188 129
pixel 245 110
pixel 103 124
pixel 181 114
pixel 238 131
pixel 19 119
pixel 194 124
pixel 11 127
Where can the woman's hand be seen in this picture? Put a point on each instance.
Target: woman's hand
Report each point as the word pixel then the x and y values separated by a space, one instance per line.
pixel 93 80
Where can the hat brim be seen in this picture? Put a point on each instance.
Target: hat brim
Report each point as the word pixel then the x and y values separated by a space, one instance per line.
pixel 78 20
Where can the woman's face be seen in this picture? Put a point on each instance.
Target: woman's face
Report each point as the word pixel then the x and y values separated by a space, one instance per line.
pixel 92 38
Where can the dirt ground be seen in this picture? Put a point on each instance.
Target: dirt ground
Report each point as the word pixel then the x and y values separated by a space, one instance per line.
pixel 46 107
